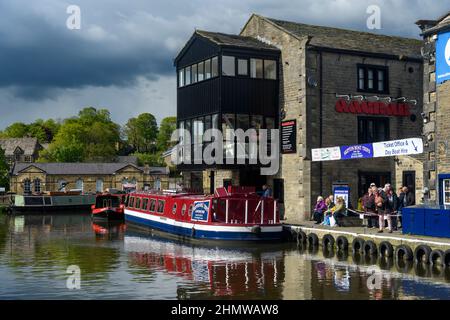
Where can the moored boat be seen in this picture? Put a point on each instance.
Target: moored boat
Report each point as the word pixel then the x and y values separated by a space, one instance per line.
pixel 108 207
pixel 234 214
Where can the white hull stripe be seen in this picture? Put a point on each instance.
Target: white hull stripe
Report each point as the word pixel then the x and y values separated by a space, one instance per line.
pixel 188 225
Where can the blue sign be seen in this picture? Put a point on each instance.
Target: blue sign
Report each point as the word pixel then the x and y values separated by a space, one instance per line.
pixel 361 151
pixel 200 211
pixel 443 57
pixel 341 191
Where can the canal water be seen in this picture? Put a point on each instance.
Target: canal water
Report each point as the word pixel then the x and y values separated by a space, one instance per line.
pixel 41 254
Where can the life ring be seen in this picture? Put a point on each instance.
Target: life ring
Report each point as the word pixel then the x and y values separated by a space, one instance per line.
pixel 403 252
pixel 386 249
pixel 437 257
pixel 422 254
pixel 313 240
pixel 370 248
pixel 342 243
pixel 328 241
pixel 358 245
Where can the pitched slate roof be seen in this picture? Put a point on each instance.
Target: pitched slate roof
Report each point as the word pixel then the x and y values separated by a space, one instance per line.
pixel 83 168
pixel 28 145
pixel 232 40
pixel 335 38
pixel 435 26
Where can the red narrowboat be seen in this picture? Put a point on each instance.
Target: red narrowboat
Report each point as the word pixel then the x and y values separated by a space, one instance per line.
pixel 234 214
pixel 108 207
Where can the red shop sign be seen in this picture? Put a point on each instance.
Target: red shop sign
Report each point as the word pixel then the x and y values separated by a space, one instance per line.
pixel 377 108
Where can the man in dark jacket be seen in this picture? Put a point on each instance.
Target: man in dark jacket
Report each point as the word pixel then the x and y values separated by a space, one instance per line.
pixel 405 199
pixel 370 208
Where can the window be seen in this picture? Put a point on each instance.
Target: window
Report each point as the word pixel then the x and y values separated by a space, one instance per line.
pixel 27 186
pixel 243 67
pixel 138 203
pixel 99 185
pixel 187 76
pixel 181 78
pixel 191 207
pixel 194 74
pixel 174 209
pixel 131 202
pixel 145 204
pixel 242 121
pixel 446 189
pixel 228 144
pixel 208 69
pixel 215 67
pixel 79 184
pixel 27 158
pixel 201 71
pixel 152 205
pixel 161 206
pixel 373 79
pixel 270 69
pixel 373 129
pixel 183 209
pixel 256 68
pixel 256 122
pixel 37 185
pixel 157 184
pixel 228 66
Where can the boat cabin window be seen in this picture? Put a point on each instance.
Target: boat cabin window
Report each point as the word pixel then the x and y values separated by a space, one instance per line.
pixel 131 202
pixel 152 205
pixel 190 209
pixel 145 204
pixel 174 209
pixel 47 201
pixel 161 206
pixel 183 209
pixel 138 203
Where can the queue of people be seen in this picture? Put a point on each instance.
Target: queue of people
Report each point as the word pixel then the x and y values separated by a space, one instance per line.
pixel 383 204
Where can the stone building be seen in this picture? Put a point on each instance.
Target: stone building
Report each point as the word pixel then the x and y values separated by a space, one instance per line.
pixel 87 177
pixel 319 71
pixel 436 52
pixel 20 149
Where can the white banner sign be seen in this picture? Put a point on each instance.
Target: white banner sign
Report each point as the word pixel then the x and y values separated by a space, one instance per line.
pixel 326 154
pixel 398 147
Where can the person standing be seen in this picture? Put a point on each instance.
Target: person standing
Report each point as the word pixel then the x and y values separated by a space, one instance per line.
pixel 405 199
pixel 370 208
pixel 267 192
pixel 391 206
pixel 380 202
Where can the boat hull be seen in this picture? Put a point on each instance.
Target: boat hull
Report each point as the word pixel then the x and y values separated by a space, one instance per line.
pixel 107 214
pixel 205 231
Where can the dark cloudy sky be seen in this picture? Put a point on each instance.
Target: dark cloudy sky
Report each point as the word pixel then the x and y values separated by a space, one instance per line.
pixel 121 58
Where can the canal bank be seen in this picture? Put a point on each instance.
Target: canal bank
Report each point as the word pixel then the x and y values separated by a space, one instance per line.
pixel 369 242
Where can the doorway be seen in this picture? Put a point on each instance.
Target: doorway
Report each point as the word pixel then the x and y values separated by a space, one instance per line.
pixel 366 178
pixel 409 180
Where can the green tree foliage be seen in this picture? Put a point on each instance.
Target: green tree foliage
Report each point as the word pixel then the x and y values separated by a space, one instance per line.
pixel 44 131
pixel 151 159
pixel 91 136
pixel 141 133
pixel 4 170
pixel 167 126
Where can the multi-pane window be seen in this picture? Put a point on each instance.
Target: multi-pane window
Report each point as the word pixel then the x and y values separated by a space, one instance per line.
pixel 215 67
pixel 270 69
pixel 227 127
pixel 242 67
pixel 203 70
pixel 37 185
pixel 446 190
pixel 373 79
pixel 194 74
pixel 27 186
pixel 256 68
pixel 160 206
pixel 207 69
pixel 228 66
pixel 372 129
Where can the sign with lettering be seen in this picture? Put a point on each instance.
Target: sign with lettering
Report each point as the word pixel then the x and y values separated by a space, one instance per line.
pixel 443 57
pixel 398 147
pixel 200 211
pixel 342 191
pixel 376 108
pixel 357 151
pixel 392 148
pixel 326 154
pixel 289 136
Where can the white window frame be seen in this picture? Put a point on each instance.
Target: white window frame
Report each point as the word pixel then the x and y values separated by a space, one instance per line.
pixel 444 191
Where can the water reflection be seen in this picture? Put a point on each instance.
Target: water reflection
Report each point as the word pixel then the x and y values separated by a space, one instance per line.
pixel 119 262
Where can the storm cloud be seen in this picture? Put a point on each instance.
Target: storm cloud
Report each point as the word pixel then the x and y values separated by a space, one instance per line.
pixel 122 57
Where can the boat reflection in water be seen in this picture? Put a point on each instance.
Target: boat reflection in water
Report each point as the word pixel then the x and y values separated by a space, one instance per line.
pixel 213 271
pixel 108 230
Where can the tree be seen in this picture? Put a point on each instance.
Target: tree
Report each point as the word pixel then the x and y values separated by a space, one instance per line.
pixel 141 132
pixel 16 130
pixel 166 128
pixel 4 170
pixel 44 131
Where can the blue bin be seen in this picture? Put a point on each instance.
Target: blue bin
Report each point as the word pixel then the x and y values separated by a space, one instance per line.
pixel 413 220
pixel 437 222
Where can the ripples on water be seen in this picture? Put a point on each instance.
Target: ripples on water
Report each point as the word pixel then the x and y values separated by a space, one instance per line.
pixel 117 262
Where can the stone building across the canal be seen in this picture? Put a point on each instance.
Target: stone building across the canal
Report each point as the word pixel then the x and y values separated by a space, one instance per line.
pixel 20 149
pixel 436 51
pixel 230 81
pixel 87 177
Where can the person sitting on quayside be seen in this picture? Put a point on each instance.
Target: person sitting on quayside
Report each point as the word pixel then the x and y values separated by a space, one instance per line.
pixel 340 211
pixel 319 209
pixel 267 192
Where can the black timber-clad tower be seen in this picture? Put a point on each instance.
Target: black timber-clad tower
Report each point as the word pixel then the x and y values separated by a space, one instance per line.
pixel 225 82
